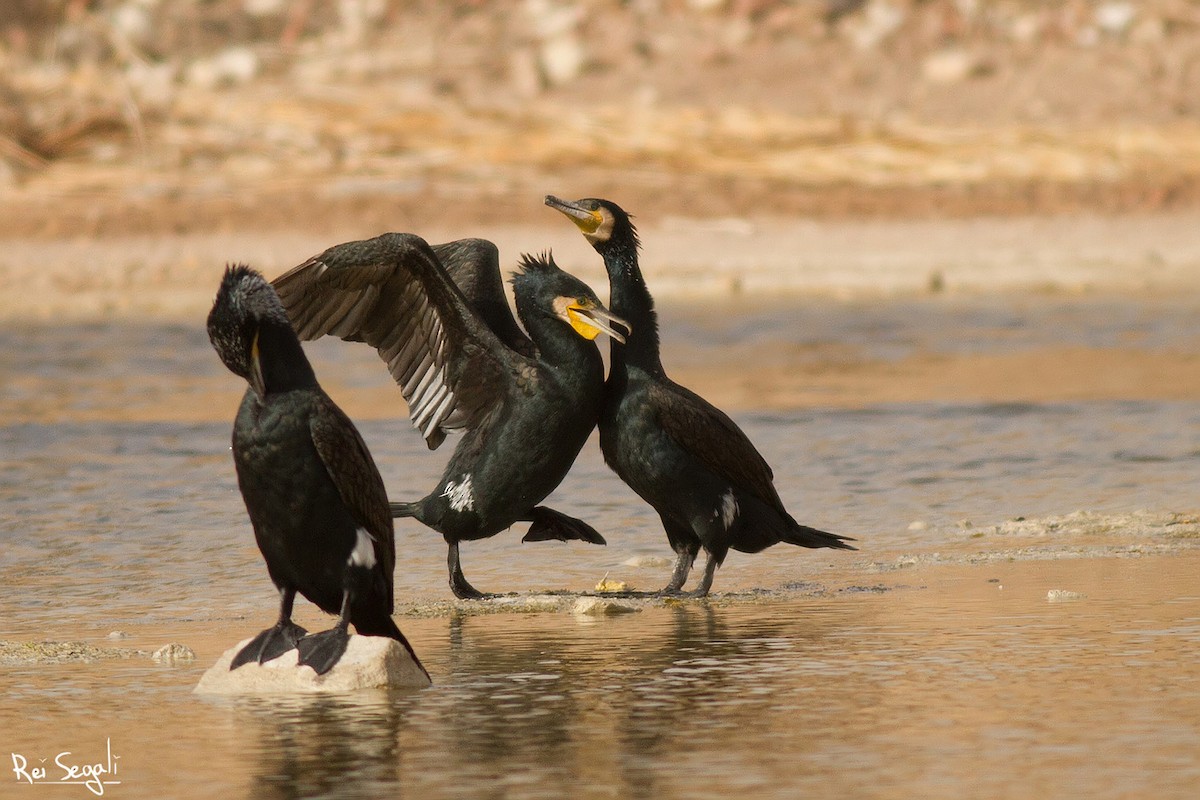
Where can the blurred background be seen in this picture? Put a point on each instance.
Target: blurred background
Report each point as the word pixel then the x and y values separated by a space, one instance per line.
pixel 130 116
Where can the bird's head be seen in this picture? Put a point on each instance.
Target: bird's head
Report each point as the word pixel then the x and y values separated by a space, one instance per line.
pixel 245 302
pixel 540 284
pixel 603 223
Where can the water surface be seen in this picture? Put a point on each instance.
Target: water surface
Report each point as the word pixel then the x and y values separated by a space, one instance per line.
pixel 820 674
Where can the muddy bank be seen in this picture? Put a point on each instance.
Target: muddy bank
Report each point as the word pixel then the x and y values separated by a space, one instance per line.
pixel 173 277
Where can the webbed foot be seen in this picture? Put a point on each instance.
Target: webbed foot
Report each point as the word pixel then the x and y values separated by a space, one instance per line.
pixel 321 651
pixel 270 644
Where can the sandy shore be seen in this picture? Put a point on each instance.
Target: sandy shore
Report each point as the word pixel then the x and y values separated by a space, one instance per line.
pixel 169 277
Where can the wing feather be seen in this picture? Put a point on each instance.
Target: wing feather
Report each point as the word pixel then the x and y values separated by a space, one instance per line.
pixel 393 293
pixel 714 439
pixel 359 484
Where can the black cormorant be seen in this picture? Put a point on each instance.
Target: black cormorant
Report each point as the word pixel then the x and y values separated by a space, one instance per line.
pixel 442 325
pixel 683 456
pixel 315 498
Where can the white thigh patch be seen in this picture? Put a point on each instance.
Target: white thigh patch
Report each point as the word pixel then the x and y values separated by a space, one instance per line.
pixel 363 554
pixel 459 494
pixel 728 510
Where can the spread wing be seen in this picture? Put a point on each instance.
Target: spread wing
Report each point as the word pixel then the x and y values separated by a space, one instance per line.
pixel 392 293
pixel 714 439
pixel 357 479
pixel 474 266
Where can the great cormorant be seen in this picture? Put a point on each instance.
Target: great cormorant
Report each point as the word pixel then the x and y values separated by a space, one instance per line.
pixel 526 404
pixel 683 456
pixel 315 498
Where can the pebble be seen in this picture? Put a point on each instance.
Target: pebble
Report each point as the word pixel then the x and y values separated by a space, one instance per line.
pixel 1115 18
pixel 230 67
pixel 600 607
pixel 118 635
pixel 174 653
pixel 951 66
pixel 608 585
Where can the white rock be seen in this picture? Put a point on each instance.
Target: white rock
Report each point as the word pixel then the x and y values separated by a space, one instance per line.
pixel 600 607
pixel 949 66
pixel 918 525
pixel 369 662
pixel 228 68
pixel 562 58
pixel 1115 18
pixel 879 20
pixel 1059 595
pixel 174 653
pixel 263 8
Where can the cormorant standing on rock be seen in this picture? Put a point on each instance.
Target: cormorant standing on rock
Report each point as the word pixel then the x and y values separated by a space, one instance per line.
pixel 527 404
pixel 315 498
pixel 683 456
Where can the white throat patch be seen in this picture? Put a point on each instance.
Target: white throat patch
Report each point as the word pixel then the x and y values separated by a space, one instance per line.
pixel 459 494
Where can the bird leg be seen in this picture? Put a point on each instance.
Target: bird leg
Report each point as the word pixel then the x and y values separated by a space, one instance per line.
pixel 322 650
pixel 458 582
pixel 710 569
pixel 683 565
pixel 276 640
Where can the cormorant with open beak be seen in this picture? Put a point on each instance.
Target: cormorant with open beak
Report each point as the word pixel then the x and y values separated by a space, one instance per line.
pixel 315 498
pixel 526 404
pixel 682 455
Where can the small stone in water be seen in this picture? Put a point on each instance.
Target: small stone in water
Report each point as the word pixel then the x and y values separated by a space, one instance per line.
pixel 608 585
pixel 597 607
pixel 174 653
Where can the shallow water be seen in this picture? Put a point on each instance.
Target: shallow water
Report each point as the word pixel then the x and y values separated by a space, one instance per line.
pixel 971 684
pixel 118 510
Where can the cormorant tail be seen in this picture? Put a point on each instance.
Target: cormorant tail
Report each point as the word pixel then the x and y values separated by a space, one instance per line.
pixel 805 536
pixel 761 525
pixel 404 509
pixel 384 625
pixel 550 525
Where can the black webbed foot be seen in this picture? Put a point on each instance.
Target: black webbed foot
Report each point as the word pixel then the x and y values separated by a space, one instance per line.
pixel 270 644
pixel 465 591
pixel 321 651
pixel 550 525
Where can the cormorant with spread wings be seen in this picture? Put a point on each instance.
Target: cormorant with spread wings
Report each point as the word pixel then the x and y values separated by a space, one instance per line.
pixel 439 319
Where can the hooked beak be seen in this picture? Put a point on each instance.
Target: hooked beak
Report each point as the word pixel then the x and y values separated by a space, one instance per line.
pixel 602 319
pixel 257 381
pixel 588 221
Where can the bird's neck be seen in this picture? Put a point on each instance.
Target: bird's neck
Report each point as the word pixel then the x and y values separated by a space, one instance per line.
pixel 557 345
pixel 630 299
pixel 282 360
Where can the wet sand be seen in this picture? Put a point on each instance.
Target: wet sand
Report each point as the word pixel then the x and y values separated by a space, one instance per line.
pixel 170 277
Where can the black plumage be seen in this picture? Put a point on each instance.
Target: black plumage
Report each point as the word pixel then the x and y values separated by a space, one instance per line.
pixel 315 498
pixel 439 319
pixel 686 458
